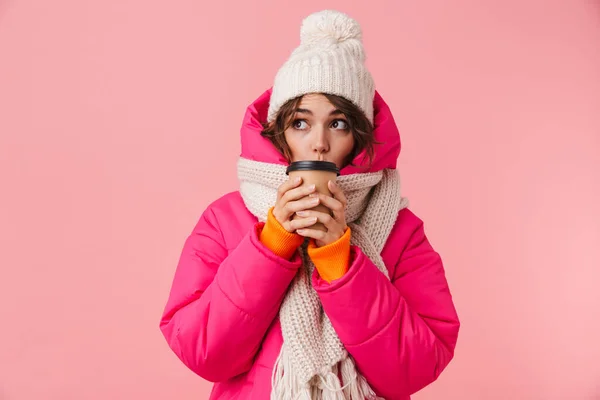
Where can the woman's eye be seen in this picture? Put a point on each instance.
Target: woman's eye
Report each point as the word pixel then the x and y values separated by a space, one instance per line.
pixel 300 124
pixel 339 124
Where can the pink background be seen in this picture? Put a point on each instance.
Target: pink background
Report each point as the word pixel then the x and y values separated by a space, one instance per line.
pixel 119 123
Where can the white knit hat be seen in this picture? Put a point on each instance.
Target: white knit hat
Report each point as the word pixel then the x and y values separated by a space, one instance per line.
pixel 330 59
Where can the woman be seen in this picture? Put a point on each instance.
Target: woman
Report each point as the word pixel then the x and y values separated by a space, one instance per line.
pixel 268 307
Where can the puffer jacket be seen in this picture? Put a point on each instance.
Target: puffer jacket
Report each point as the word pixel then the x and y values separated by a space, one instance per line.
pixel 221 318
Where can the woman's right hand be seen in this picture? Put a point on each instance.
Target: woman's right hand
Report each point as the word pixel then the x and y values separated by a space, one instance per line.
pixel 291 198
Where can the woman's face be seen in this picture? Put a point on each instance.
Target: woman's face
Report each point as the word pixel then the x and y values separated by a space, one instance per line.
pixel 319 132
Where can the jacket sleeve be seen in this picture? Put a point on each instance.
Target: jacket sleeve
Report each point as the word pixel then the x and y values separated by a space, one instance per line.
pixel 408 325
pixel 222 302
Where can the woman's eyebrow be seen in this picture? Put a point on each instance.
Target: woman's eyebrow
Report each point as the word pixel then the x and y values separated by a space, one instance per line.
pixel 307 111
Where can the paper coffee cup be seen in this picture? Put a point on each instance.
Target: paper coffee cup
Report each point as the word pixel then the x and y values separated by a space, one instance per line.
pixel 316 173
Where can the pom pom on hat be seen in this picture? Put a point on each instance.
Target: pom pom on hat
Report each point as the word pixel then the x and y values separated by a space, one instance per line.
pixel 329 25
pixel 330 59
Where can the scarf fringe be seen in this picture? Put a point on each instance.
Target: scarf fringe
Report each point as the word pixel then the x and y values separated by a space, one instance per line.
pixel 324 386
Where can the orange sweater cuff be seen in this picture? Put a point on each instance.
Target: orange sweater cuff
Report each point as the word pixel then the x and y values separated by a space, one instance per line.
pixel 277 239
pixel 332 261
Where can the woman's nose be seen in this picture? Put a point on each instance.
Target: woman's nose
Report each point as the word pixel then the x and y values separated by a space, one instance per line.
pixel 320 144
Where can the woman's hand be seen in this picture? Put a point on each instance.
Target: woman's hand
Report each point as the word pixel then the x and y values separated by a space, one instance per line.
pixel 335 225
pixel 292 199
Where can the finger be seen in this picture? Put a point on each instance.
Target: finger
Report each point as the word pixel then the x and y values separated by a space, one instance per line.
pixel 287 185
pixel 335 206
pixel 312 233
pixel 324 218
pixel 301 205
pixel 300 223
pixel 337 192
pixel 297 193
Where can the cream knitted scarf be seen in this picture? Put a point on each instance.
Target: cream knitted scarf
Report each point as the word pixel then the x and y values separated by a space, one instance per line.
pixel 312 354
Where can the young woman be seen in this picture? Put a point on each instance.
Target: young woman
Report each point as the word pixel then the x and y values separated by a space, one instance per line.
pixel 265 305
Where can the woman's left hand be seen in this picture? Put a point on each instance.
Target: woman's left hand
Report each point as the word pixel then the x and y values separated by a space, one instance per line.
pixel 336 224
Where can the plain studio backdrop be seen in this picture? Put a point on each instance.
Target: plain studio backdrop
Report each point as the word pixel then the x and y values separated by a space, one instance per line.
pixel 119 124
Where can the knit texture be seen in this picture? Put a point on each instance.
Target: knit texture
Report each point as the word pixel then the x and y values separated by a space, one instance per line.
pixel 331 261
pixel 312 354
pixel 277 239
pixel 330 59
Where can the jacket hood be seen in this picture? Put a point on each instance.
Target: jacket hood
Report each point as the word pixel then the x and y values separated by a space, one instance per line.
pixel 258 148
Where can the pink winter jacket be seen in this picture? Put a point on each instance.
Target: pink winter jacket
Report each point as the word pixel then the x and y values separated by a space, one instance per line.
pixel 221 317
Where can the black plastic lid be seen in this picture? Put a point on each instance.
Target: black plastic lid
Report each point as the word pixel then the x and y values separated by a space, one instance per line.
pixel 310 165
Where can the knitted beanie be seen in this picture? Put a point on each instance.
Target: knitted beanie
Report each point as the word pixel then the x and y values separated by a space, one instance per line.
pixel 330 59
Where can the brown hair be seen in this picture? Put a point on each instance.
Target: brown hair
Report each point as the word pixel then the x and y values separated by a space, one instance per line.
pixel 359 125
